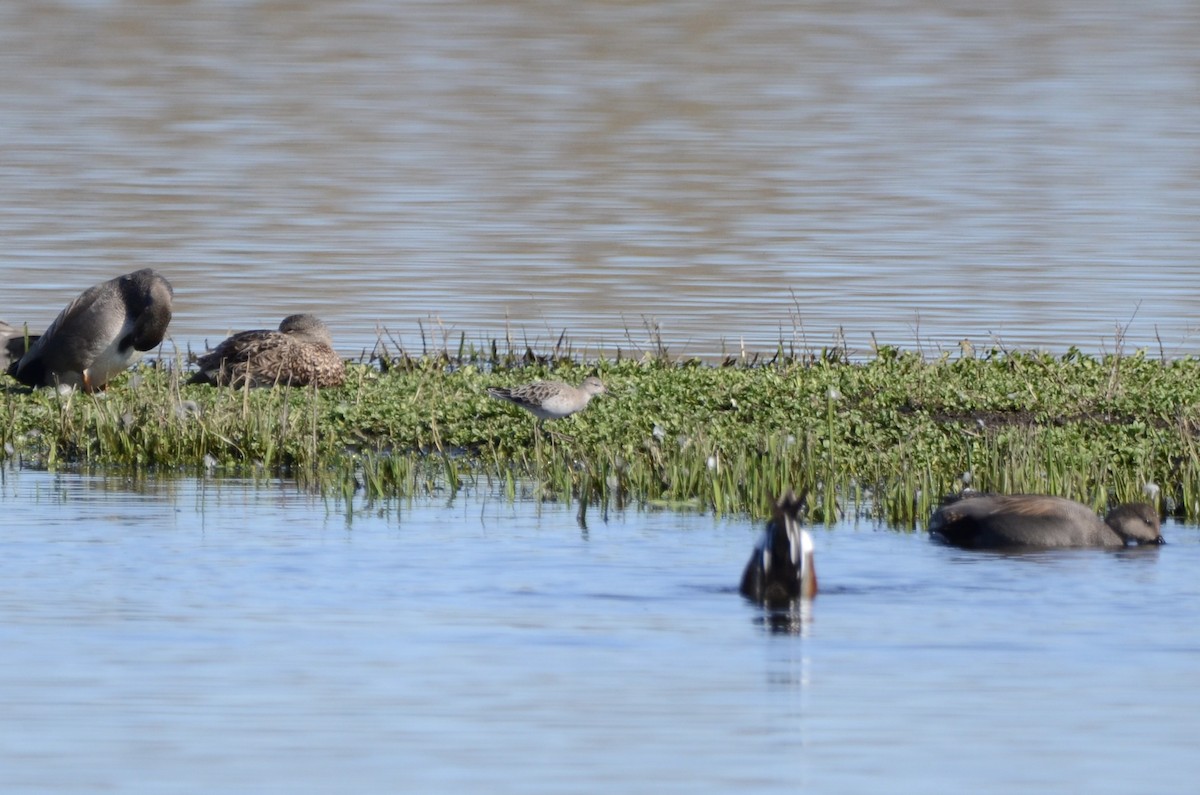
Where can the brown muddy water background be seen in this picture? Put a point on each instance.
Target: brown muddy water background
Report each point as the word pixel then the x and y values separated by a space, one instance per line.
pixel 730 173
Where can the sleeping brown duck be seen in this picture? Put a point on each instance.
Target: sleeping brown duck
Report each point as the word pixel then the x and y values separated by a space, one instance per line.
pixel 990 521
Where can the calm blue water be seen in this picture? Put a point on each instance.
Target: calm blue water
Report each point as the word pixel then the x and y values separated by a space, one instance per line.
pixel 215 636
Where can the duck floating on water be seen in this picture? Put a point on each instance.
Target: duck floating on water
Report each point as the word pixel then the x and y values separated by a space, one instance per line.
pixel 300 353
pixel 993 521
pixel 781 568
pixel 100 333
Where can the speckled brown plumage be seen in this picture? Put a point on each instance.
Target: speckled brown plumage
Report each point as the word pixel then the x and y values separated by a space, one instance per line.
pixel 550 400
pixel 300 353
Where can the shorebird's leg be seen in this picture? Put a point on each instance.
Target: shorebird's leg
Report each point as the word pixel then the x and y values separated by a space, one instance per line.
pixel 560 436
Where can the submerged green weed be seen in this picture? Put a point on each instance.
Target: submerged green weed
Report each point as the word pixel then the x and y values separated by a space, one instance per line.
pixel 886 437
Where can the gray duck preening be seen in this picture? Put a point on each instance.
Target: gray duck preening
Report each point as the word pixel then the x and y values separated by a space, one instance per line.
pixel 550 400
pixel 995 521
pixel 300 353
pixel 100 333
pixel 781 569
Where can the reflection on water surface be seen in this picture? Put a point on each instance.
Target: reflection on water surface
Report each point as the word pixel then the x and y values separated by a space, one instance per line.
pixel 200 636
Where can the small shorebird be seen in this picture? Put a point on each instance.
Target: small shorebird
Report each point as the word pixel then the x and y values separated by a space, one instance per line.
pixel 100 333
pixel 300 353
pixel 781 568
pixel 990 521
pixel 550 400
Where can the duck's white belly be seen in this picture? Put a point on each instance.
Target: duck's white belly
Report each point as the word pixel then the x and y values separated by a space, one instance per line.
pixel 111 360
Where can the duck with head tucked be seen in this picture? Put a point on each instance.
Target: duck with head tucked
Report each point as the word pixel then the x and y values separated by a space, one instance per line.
pixel 994 521
pixel 300 353
pixel 782 569
pixel 100 333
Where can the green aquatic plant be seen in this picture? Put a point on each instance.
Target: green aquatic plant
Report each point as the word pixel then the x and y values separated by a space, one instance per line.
pixel 885 437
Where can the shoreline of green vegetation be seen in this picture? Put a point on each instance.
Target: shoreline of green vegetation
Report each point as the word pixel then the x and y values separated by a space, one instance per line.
pixel 889 435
